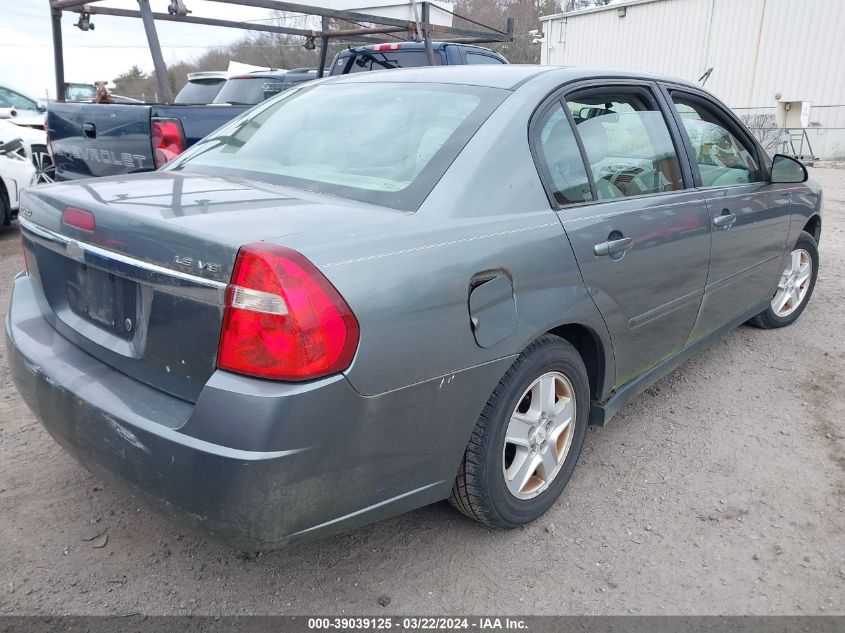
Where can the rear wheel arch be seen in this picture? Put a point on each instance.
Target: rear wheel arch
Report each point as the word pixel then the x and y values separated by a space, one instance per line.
pixel 485 488
pixel 5 205
pixel 814 227
pixel 592 352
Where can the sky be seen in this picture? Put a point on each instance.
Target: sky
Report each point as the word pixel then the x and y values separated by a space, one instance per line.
pixel 26 44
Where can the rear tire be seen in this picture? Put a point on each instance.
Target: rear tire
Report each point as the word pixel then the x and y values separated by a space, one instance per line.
pixel 546 385
pixel 795 287
pixel 5 209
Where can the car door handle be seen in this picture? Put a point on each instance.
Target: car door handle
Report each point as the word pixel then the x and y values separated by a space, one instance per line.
pixel 613 247
pixel 90 130
pixel 724 221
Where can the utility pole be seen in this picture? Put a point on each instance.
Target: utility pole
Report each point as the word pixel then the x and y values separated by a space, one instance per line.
pixel 58 52
pixel 426 27
pixel 155 51
pixel 324 46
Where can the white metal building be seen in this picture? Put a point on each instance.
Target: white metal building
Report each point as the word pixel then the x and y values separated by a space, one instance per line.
pixel 763 53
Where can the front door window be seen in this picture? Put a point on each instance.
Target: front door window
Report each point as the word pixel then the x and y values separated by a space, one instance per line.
pixel 722 157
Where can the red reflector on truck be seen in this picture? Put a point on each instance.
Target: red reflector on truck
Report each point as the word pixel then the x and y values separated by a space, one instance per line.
pixel 284 320
pixel 79 219
pixel 168 140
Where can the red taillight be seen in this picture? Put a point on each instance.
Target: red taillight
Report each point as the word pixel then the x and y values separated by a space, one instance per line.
pixel 79 219
pixel 392 46
pixel 168 140
pixel 284 320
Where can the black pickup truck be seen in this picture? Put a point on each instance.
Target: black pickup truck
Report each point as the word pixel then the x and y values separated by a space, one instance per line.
pixel 90 139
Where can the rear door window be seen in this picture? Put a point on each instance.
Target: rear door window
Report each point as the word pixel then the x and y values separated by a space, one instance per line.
pixel 12 99
pixel 628 145
pixel 294 79
pixel 249 90
pixel 200 92
pixel 480 58
pixel 722 155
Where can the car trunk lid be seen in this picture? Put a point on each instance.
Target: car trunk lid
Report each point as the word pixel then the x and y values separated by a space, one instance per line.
pixel 144 291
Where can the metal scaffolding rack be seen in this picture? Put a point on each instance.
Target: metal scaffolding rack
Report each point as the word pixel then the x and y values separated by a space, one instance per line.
pixel 382 29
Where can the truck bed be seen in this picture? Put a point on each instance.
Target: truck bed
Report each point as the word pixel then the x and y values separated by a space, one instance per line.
pixel 90 139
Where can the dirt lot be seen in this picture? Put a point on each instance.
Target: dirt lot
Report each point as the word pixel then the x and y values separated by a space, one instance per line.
pixel 720 490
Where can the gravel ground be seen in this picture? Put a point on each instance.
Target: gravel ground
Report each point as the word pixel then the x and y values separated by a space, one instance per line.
pixel 720 490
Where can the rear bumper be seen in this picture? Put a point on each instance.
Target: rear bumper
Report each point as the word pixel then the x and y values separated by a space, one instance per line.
pixel 253 463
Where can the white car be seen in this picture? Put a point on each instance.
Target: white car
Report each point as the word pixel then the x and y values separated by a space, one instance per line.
pixel 27 115
pixel 35 146
pixel 16 172
pixel 20 108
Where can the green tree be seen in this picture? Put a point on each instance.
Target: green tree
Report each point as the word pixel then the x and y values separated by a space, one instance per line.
pixel 575 5
pixel 526 15
pixel 129 80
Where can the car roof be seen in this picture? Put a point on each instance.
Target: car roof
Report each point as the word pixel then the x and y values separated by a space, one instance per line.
pixel 280 72
pixel 205 75
pixel 506 76
pixel 258 74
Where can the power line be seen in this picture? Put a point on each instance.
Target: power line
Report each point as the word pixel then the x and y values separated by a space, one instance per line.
pixel 141 46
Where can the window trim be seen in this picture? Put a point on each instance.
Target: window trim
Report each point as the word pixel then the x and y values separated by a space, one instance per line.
pixel 585 161
pixel 534 134
pixel 733 126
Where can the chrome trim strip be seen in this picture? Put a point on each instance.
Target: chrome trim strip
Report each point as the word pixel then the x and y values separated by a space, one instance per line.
pixel 42 232
pixel 159 277
pixel 666 309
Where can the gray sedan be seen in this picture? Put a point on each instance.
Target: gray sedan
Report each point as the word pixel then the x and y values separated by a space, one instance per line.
pixel 378 291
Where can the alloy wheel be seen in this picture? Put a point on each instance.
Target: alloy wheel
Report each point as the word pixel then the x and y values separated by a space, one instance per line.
pixel 794 283
pixel 539 435
pixel 45 169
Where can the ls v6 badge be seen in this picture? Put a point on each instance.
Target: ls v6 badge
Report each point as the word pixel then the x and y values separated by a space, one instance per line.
pixel 190 262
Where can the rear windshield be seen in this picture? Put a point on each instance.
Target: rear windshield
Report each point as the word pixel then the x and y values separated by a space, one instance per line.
pixel 249 90
pixel 292 79
pixel 202 91
pixel 383 143
pixel 79 92
pixel 367 61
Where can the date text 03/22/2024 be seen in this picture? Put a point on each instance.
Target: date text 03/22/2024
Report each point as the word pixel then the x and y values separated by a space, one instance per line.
pixel 416 623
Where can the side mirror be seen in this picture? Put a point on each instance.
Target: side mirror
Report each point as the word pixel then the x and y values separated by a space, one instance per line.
pixel 786 169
